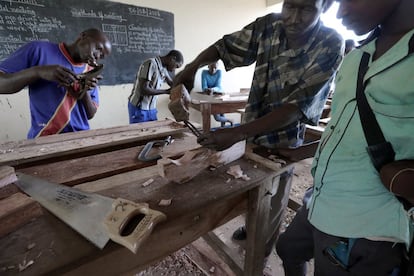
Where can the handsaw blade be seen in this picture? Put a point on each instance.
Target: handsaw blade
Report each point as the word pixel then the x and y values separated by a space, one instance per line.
pixel 84 212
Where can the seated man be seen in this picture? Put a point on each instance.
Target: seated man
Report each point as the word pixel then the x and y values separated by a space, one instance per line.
pixel 211 84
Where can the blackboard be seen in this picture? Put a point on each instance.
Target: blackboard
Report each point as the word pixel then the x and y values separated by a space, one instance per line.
pixel 137 33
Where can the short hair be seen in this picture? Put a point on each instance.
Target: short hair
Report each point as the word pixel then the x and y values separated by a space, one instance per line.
pixel 176 55
pixel 93 32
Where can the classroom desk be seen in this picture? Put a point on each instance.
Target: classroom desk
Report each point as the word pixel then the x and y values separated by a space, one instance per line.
pixel 105 161
pixel 210 105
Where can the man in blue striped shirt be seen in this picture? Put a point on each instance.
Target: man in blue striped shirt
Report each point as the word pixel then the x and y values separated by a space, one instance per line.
pixel 295 56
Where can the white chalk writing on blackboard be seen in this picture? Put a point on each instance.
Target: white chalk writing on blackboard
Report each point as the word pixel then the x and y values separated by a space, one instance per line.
pixel 96 14
pixel 146 12
pixel 26 2
pixel 136 33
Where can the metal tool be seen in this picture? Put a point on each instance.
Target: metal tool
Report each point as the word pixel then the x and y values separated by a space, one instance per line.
pixel 80 84
pixel 144 155
pixel 97 218
pixel 193 129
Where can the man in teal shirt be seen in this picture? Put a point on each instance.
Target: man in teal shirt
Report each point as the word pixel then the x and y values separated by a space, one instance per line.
pixel 351 210
pixel 211 85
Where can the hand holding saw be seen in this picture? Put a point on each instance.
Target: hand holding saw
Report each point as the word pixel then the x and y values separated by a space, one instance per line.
pixel 97 218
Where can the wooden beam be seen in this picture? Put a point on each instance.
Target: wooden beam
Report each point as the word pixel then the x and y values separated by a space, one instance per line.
pixel 294 205
pixel 257 221
pixel 79 170
pixel 17 210
pixel 23 153
pixel 194 161
pixel 7 176
pixel 221 249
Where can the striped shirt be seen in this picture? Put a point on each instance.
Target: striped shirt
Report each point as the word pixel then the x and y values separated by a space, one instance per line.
pixel 153 71
pixel 283 75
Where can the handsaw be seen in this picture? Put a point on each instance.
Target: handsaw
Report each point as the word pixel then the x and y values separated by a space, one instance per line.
pixel 96 217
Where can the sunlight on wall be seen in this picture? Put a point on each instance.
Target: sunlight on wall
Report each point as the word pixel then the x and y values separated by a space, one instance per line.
pixel 329 19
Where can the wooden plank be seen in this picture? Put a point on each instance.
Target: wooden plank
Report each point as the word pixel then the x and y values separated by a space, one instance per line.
pixel 204 263
pixel 7 176
pixel 16 154
pixel 197 207
pixel 180 145
pixel 85 169
pixel 249 154
pixel 17 210
pixel 313 133
pixel 8 190
pixel 222 268
pixel 79 170
pixel 220 248
pixel 137 176
pixel 294 205
pixel 194 161
pixel 64 137
pixel 257 220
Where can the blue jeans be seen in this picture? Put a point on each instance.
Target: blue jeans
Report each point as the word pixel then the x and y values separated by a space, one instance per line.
pixel 222 119
pixel 138 115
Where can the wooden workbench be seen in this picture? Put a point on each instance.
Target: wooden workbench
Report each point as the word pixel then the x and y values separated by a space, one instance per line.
pixel 104 161
pixel 209 105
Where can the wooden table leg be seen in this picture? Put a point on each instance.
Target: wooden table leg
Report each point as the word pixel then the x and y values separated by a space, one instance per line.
pixel 257 223
pixel 205 109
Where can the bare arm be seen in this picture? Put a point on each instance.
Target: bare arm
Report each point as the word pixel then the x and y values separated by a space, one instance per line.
pixel 169 80
pixel 277 119
pixel 186 76
pixel 90 105
pixel 147 90
pixel 14 82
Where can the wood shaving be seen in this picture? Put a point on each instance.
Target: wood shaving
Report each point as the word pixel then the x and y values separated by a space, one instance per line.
pixel 237 172
pixel 147 183
pixel 25 265
pixel 275 159
pixel 30 246
pixel 165 202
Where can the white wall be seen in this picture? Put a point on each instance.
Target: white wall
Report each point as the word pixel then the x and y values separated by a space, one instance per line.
pixel 197 25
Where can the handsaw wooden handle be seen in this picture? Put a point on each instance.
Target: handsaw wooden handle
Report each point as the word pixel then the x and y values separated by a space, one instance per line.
pixel 122 215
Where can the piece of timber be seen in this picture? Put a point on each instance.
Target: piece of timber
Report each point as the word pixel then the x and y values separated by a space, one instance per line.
pixel 7 175
pixel 179 103
pixel 197 207
pixel 8 190
pixel 256 224
pixel 205 264
pixel 194 161
pixel 79 170
pixel 17 210
pixel 79 143
pixel 227 254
